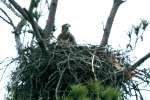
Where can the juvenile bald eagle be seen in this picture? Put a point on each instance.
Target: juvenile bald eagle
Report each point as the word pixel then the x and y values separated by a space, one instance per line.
pixel 65 37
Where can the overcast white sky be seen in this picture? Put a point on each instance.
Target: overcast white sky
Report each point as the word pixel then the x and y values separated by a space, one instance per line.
pixel 87 18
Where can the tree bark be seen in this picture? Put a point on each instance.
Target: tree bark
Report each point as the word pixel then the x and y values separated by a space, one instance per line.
pixel 34 25
pixel 110 21
pixel 139 62
pixel 50 27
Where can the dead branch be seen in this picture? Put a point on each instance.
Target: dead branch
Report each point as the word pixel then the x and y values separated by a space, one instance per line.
pixel 11 8
pixel 49 28
pixel 21 10
pixel 110 21
pixel 139 62
pixel 34 25
pixel 9 21
pixel 17 30
pixel 58 84
pixel 23 21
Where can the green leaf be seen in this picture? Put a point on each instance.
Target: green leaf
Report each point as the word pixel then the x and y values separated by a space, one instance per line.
pixel 144 24
pixel 78 90
pixel 137 29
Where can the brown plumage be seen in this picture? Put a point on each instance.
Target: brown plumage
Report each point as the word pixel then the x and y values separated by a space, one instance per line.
pixel 65 37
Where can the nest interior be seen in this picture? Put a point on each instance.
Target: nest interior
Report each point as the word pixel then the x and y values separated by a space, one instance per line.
pixel 39 76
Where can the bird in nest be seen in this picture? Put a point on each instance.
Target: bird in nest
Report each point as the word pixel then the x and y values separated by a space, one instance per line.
pixel 65 38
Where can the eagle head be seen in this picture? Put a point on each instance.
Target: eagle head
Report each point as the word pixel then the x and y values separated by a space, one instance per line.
pixel 65 28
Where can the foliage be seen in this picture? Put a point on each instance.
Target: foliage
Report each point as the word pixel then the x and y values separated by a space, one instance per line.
pixel 92 90
pixel 138 31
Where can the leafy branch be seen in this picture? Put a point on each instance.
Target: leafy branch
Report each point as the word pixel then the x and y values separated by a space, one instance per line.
pixel 138 31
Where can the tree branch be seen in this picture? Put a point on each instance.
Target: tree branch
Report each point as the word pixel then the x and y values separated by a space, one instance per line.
pixel 139 62
pixel 34 25
pixel 49 28
pixel 110 21
pixel 11 8
pixel 17 30
pixel 58 84
pixel 10 21
pixel 18 7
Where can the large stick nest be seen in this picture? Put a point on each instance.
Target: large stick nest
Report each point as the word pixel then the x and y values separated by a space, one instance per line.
pixel 39 76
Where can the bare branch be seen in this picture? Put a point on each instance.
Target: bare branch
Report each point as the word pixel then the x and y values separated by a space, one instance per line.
pixel 93 69
pixel 19 27
pixel 35 26
pixel 110 21
pixel 18 7
pixel 23 21
pixel 6 66
pixel 10 21
pixel 58 84
pixel 17 31
pixel 139 62
pixel 5 20
pixel 49 28
pixel 11 8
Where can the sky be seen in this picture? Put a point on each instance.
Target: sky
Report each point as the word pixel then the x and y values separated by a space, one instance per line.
pixel 87 19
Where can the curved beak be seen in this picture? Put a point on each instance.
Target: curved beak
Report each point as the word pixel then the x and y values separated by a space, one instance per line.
pixel 68 25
